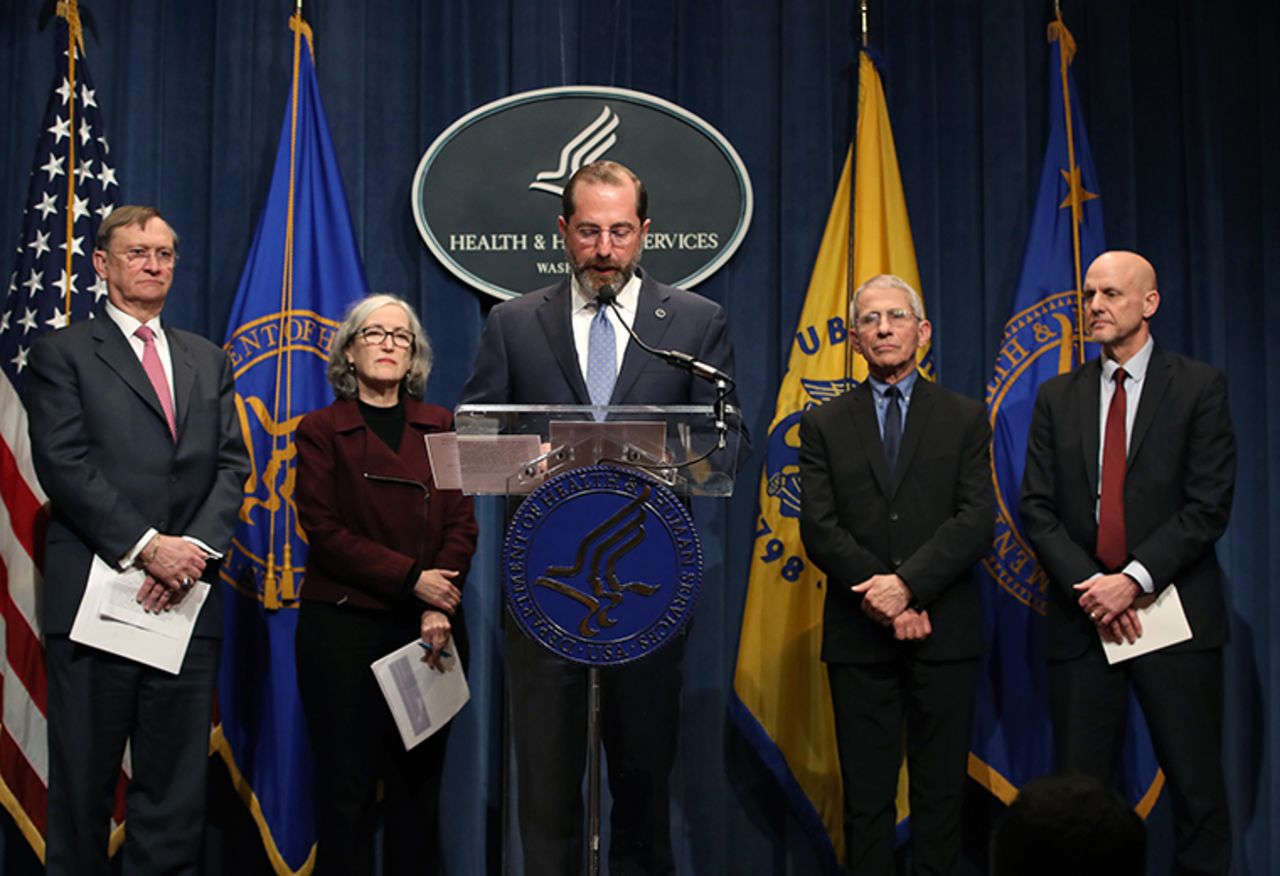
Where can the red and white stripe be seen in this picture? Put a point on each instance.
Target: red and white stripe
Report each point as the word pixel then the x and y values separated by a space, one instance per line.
pixel 24 753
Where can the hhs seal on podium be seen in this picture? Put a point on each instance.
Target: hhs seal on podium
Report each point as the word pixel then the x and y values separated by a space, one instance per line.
pixel 603 565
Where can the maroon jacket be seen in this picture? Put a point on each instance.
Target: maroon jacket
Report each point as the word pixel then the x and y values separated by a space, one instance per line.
pixel 371 515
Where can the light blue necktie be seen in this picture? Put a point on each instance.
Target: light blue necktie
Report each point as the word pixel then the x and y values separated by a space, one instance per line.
pixel 602 362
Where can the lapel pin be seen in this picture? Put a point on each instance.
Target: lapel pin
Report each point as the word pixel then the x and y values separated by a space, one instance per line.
pixel 660 313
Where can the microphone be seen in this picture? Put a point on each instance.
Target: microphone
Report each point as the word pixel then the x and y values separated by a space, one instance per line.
pixel 607 295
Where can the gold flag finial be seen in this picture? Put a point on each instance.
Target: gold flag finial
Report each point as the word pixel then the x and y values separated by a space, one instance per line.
pixel 70 10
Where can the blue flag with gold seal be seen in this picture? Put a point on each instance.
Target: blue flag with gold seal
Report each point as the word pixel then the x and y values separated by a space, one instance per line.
pixel 1043 337
pixel 302 271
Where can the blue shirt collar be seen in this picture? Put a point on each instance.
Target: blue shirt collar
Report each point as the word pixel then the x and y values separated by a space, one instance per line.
pixel 905 386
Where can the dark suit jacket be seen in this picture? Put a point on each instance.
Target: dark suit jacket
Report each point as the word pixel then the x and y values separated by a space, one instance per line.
pixel 930 522
pixel 1177 492
pixel 527 355
pixel 372 516
pixel 105 458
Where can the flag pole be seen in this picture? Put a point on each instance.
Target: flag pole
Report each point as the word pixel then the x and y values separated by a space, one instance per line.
pixel 1066 52
pixel 853 187
pixel 70 10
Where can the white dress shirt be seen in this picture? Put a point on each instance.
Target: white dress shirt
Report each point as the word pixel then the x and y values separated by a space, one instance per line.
pixel 583 311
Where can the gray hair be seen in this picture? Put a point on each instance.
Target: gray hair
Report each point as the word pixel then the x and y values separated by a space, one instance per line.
pixel 128 214
pixel 893 282
pixel 343 378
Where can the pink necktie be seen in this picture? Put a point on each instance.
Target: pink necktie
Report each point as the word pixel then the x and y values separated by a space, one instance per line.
pixel 155 371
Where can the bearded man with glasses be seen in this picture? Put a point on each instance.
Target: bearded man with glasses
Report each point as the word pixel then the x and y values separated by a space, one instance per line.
pixel 563 345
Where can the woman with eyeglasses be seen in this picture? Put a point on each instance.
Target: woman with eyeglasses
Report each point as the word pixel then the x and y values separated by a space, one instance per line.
pixel 388 552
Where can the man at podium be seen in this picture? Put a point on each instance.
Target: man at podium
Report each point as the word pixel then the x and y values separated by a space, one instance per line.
pixel 569 344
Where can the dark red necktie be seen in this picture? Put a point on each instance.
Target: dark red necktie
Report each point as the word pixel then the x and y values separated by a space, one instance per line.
pixel 1112 549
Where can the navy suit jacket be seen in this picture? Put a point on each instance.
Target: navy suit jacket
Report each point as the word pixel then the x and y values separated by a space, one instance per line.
pixel 105 458
pixel 1178 485
pixel 527 355
pixel 929 521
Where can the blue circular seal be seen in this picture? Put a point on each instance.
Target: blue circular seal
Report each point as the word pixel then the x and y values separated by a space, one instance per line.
pixel 602 565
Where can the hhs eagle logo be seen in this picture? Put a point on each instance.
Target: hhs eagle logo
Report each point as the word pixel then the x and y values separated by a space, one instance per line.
pixel 603 565
pixel 782 463
pixel 278 361
pixel 588 145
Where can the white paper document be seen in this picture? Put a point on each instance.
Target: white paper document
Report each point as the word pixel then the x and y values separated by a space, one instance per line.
pixel 422 699
pixel 110 619
pixel 442 454
pixel 1164 623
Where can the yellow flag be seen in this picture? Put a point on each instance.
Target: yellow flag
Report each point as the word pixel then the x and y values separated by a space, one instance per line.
pixel 783 701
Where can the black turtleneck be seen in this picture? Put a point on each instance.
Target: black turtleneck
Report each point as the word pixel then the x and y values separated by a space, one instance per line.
pixel 386 423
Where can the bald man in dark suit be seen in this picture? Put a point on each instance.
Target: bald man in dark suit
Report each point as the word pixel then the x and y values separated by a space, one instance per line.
pixel 1128 486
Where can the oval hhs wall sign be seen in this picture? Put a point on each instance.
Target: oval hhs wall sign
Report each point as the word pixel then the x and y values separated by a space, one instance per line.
pixel 487 192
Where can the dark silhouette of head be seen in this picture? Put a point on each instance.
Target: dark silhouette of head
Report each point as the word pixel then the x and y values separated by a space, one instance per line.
pixel 1069 825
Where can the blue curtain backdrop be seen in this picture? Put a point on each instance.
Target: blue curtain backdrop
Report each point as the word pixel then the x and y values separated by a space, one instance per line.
pixel 1182 102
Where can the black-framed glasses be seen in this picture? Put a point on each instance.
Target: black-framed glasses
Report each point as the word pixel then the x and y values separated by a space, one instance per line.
pixel 376 334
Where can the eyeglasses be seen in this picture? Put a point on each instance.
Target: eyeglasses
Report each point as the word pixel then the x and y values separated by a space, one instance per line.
pixel 620 234
pixel 137 256
pixel 897 316
pixel 376 334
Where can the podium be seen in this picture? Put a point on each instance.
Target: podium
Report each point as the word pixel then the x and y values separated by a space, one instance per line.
pixel 601 567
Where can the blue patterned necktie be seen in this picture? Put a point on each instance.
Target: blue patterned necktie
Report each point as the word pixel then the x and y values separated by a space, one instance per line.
pixel 892 428
pixel 602 362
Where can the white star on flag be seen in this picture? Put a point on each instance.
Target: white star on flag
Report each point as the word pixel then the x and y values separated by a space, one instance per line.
pixel 35 282
pixel 61 128
pixel 40 244
pixel 48 204
pixel 28 321
pixel 54 167
pixel 59 319
pixel 66 286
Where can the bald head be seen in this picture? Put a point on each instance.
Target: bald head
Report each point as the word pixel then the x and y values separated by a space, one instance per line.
pixel 1120 296
pixel 1140 272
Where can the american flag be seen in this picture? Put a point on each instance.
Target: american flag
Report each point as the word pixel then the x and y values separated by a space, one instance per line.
pixel 52 284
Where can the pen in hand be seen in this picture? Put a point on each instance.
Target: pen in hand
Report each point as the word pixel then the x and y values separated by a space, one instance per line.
pixel 426 646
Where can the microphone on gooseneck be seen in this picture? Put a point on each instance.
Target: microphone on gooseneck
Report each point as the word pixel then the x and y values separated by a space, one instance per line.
pixel 723 382
pixel 607 295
